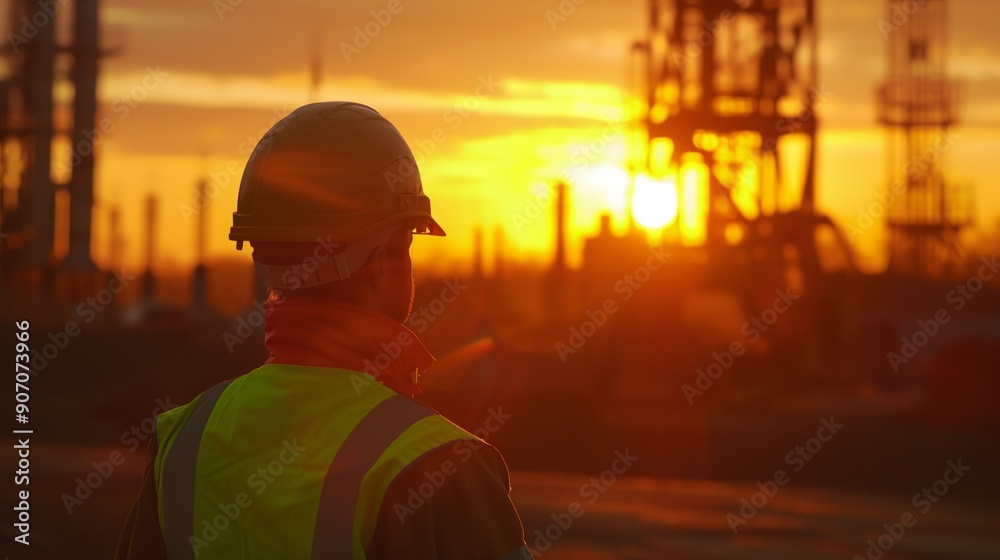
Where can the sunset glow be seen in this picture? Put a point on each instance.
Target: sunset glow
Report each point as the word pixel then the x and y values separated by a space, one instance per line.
pixel 507 125
pixel 655 202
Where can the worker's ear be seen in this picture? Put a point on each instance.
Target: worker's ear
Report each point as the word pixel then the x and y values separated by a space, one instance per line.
pixel 387 261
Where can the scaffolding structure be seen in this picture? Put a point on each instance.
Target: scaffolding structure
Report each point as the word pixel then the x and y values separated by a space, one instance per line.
pixel 31 176
pixel 916 104
pixel 728 83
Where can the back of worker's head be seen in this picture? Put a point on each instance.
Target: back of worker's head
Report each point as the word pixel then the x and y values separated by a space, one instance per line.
pixel 329 200
pixel 383 282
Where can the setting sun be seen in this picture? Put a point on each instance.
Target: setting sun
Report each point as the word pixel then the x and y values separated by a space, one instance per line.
pixel 655 202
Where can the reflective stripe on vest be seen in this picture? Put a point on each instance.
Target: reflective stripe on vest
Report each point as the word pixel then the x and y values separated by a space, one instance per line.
pixel 178 477
pixel 334 523
pixel 307 483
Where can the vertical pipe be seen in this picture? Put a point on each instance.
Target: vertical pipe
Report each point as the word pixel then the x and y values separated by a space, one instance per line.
pixel 150 246
pixel 114 241
pixel 477 254
pixel 560 264
pixel 202 225
pixel 498 255
pixel 199 288
pixel 808 202
pixel 84 75
pixel 39 75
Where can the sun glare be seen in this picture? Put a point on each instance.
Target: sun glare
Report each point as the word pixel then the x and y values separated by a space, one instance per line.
pixel 655 201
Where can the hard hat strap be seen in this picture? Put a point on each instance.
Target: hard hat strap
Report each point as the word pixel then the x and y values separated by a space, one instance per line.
pixel 330 262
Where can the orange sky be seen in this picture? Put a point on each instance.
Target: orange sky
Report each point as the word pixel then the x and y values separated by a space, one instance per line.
pixel 214 81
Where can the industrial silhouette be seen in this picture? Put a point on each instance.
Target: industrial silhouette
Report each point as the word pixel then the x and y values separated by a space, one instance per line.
pixel 705 352
pixel 917 105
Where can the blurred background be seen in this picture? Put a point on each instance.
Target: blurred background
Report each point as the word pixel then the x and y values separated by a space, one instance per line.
pixel 720 238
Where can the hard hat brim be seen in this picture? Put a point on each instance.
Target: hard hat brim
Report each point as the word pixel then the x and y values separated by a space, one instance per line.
pixel 405 211
pixel 432 228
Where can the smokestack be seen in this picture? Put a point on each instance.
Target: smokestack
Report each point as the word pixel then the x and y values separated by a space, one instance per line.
pixel 557 285
pixel 84 75
pixel 150 244
pixel 114 243
pixel 316 65
pixel 198 289
pixel 560 264
pixel 498 256
pixel 477 256
pixel 37 191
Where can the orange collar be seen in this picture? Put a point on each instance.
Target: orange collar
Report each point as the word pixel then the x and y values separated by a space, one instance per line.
pixel 341 335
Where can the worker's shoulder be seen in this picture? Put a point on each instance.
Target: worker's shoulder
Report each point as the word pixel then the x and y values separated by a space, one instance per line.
pixel 176 416
pixel 421 428
pixel 440 439
pixel 435 421
pixel 445 446
pixel 428 420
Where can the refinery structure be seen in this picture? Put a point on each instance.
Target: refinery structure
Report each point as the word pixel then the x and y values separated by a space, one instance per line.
pixel 705 347
pixel 41 189
pixel 726 96
pixel 917 105
pixel 723 110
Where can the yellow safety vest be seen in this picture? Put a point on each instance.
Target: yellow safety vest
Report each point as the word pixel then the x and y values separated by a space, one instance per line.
pixel 286 462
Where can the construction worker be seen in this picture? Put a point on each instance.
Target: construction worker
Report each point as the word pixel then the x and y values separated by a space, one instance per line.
pixel 321 453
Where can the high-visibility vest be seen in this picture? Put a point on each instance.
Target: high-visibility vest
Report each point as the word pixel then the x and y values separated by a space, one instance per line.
pixel 287 462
